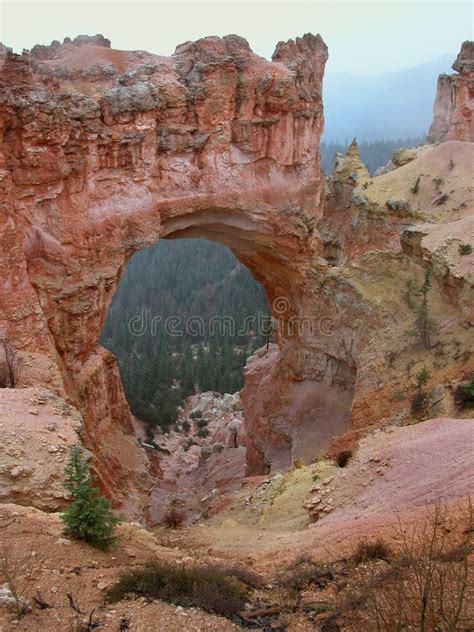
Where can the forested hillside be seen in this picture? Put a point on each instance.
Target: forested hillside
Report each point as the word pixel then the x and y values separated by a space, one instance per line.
pixel 166 330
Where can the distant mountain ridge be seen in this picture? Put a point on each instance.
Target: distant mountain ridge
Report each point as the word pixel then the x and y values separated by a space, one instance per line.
pixel 390 106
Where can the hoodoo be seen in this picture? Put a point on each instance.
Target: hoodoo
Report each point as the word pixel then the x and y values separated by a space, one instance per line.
pixel 454 104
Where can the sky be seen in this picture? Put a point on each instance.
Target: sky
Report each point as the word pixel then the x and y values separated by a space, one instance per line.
pixel 364 38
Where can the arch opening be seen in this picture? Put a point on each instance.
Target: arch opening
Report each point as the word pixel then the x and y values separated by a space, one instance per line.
pixel 184 318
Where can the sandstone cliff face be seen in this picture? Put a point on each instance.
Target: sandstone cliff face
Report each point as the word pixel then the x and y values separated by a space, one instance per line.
pixel 103 152
pixel 454 104
pixel 375 236
pixel 391 231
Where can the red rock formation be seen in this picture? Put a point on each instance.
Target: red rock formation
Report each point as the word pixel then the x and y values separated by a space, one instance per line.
pixel 454 104
pixel 103 152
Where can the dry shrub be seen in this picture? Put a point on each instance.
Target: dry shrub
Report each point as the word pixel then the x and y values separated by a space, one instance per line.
pixel 205 587
pixel 343 457
pixel 304 572
pixel 371 550
pixel 418 403
pixel 173 518
pixel 427 587
pixel 80 622
pixel 244 575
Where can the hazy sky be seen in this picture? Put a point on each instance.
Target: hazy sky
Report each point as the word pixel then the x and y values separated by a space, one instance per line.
pixel 363 37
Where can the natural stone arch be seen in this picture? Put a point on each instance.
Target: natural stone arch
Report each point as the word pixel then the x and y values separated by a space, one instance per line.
pixel 106 151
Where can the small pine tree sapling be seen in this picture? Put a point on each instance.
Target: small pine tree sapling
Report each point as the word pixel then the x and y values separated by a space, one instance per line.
pixel 465 249
pixel 426 324
pixel 88 517
pixel 422 378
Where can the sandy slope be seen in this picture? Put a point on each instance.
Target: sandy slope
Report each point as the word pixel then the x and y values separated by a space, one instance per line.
pixel 394 475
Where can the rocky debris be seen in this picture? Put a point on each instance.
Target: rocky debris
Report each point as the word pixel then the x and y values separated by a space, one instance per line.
pixel 403 156
pixel 454 106
pixel 8 600
pixel 37 430
pixel 220 414
pixel 203 458
pixel 400 206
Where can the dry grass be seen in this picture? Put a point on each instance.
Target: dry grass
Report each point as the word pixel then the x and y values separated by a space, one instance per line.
pixel 427 586
pixel 371 550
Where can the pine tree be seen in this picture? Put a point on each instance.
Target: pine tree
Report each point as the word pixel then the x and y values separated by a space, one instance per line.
pixel 88 517
pixel 422 379
pixel 426 324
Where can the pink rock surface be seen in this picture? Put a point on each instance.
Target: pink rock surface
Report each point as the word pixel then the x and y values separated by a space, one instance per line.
pixel 401 469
